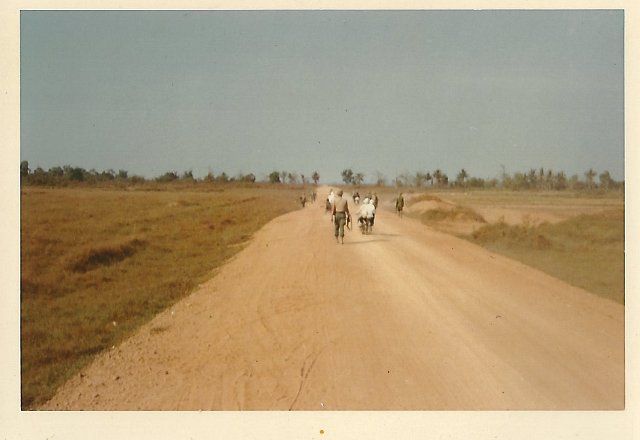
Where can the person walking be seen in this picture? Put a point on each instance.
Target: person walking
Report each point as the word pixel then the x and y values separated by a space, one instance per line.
pixel 340 214
pixel 400 204
pixel 366 213
pixel 374 202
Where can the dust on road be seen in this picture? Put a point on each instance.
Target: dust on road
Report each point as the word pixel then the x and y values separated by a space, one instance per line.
pixel 405 318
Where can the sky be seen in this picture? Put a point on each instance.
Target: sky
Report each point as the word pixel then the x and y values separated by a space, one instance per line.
pixel 386 92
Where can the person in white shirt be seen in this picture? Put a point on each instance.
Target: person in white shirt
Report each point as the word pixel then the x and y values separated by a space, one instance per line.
pixel 365 215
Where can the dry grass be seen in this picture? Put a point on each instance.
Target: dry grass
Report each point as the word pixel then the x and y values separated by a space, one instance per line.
pixel 456 214
pixel 98 263
pixel 586 251
pixel 577 237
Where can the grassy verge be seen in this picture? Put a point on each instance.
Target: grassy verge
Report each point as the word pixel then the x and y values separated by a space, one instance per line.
pixel 98 263
pixel 457 213
pixel 586 251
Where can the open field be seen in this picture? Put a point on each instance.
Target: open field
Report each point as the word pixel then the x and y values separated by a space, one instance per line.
pixel 405 318
pixel 577 237
pixel 98 263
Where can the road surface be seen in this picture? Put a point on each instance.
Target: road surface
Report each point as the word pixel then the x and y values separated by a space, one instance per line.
pixel 404 319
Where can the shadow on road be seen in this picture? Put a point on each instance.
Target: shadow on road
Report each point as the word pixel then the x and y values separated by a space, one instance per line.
pixel 363 242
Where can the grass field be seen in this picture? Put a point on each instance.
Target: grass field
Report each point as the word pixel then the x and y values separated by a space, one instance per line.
pixel 576 237
pixel 98 263
pixel 586 251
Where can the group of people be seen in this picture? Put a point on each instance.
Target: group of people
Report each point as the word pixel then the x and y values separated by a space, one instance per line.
pixel 304 199
pixel 341 217
pixel 337 205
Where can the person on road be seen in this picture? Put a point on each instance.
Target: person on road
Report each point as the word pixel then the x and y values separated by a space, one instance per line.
pixel 366 213
pixel 374 201
pixel 340 214
pixel 332 197
pixel 400 204
pixel 303 200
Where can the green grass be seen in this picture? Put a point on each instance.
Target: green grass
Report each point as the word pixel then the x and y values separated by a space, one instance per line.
pixel 98 263
pixel 586 251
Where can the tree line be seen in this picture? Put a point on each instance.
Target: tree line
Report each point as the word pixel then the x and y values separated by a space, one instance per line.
pixel 63 175
pixel 533 179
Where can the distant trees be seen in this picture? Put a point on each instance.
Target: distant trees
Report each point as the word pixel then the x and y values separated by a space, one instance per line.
pixel 589 175
pixel 461 178
pixel 347 176
pixel 606 182
pixel 24 169
pixel 558 181
pixel 292 177
pixel 274 177
pixel 358 178
pixel 169 176
pixel 421 179
pixel 437 177
pixel 539 179
pixel 381 180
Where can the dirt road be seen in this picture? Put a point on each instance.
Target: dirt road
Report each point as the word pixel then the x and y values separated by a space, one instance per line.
pixel 405 318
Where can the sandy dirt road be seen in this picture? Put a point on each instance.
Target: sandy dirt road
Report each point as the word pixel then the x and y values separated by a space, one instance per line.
pixel 405 318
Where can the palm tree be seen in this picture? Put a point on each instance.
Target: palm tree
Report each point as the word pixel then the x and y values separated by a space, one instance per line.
pixel 590 174
pixel 437 175
pixel 347 176
pixel 461 177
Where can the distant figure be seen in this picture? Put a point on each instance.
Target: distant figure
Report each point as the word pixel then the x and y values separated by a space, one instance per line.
pixel 331 197
pixel 313 197
pixel 400 205
pixel 327 206
pixel 340 214
pixel 356 197
pixel 374 202
pixel 303 200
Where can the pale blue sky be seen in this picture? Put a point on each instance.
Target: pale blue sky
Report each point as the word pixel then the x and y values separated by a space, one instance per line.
pixel 256 91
